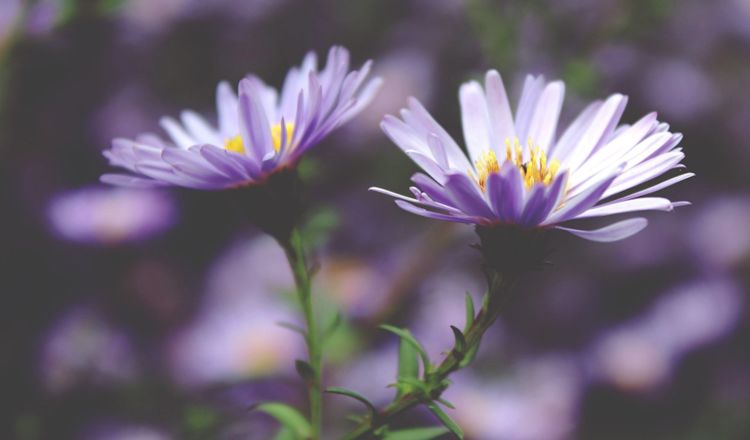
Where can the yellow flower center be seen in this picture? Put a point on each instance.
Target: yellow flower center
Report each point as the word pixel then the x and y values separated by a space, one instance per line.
pixel 236 145
pixel 535 170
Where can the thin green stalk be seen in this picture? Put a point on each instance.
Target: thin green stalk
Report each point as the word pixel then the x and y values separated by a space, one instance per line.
pixel 295 253
pixel 435 380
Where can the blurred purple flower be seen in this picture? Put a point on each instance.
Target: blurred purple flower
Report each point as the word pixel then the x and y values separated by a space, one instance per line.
pixel 720 237
pixel 82 347
pixel 680 88
pixel 258 133
pixel 641 354
pixel 538 400
pixel 545 183
pixel 236 334
pixel 124 431
pixel 98 215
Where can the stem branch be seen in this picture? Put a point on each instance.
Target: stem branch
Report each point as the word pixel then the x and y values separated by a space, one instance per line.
pixel 435 380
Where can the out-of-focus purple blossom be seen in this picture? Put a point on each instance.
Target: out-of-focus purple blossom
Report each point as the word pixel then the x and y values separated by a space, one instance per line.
pixel 100 215
pixel 537 400
pixel 236 343
pixel 720 237
pixel 535 180
pixel 407 72
pixel 34 19
pixel 236 335
pixel 259 132
pixel 370 373
pixel 641 354
pixel 680 89
pixel 442 305
pixel 10 11
pixel 155 16
pixel 83 348
pixel 42 16
pixel 124 431
pixel 353 284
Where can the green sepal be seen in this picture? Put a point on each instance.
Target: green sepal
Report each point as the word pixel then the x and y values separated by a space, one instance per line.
pixel 407 336
pixel 354 395
pixel 446 420
pixel 288 417
pixel 426 433
pixel 305 370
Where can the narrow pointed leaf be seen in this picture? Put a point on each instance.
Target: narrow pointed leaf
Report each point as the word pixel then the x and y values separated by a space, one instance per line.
pixel 407 336
pixel 460 344
pixel 446 420
pixel 445 403
pixel 292 327
pixel 427 433
pixel 288 417
pixel 469 312
pixel 354 395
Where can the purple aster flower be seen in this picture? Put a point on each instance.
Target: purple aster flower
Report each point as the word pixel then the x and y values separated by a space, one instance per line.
pixel 520 173
pixel 258 132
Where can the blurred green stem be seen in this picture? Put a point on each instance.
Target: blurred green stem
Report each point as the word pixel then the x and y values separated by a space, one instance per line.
pixel 435 380
pixel 295 253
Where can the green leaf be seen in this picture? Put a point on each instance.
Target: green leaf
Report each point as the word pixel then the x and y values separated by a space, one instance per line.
pixel 445 403
pixel 460 340
pixel 469 312
pixel 293 327
pixel 288 417
pixel 426 433
pixel 446 420
pixel 333 325
pixel 408 337
pixel 286 434
pixel 354 395
pixel 408 367
pixel 305 370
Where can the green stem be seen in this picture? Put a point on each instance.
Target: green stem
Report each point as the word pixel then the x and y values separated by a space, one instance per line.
pixel 296 255
pixel 435 379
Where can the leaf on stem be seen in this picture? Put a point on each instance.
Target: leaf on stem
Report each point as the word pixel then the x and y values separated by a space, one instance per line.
pixel 333 325
pixel 285 434
pixel 426 433
pixel 406 335
pixel 305 370
pixel 293 327
pixel 288 417
pixel 469 312
pixel 446 420
pixel 445 403
pixel 460 344
pixel 354 395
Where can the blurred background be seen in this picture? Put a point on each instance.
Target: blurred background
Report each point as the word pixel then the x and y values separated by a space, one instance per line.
pixel 135 315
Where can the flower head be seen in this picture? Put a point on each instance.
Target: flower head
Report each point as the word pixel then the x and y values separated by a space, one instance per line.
pixel 258 132
pixel 519 173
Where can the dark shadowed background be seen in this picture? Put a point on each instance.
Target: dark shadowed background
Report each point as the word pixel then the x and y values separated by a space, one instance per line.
pixel 152 315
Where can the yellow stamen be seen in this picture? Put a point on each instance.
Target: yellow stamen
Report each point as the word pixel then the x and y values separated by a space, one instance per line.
pixel 486 164
pixel 236 145
pixel 535 170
